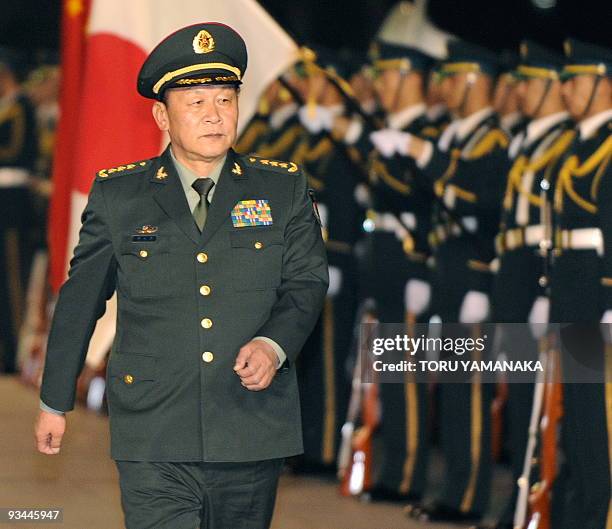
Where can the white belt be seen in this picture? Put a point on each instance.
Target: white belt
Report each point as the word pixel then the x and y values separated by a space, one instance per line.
pixel 524 236
pixel 390 223
pixel 467 225
pixel 13 177
pixel 581 239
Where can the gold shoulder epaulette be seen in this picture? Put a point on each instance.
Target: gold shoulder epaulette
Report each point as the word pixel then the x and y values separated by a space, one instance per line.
pixel 129 168
pixel 277 166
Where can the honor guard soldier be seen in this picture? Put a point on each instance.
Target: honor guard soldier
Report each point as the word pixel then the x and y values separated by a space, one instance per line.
pixel 520 285
pixel 324 382
pixel 284 127
pixel 397 276
pixel 18 155
pixel 220 272
pixel 581 288
pixel 464 167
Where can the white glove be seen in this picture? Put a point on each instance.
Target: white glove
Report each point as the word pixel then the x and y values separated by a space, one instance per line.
pixel 417 295
pixel 474 307
pixel 327 118
pixel 312 118
pixel 335 281
pixel 606 327
pixel 538 316
pixel 389 141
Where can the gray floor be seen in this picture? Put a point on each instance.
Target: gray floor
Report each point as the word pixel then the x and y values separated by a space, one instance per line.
pixel 83 479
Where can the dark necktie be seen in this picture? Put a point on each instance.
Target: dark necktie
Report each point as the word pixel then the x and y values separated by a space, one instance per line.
pixel 203 187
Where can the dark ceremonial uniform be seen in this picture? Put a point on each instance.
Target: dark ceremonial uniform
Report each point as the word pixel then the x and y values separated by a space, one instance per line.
pixel 253 134
pixel 18 152
pixel 465 170
pixel 397 226
pixel 466 176
pixel 581 293
pixel 192 444
pixel 283 135
pixel 324 380
pixel 525 228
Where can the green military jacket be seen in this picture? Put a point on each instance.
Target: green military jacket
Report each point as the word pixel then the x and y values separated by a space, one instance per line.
pixel 187 301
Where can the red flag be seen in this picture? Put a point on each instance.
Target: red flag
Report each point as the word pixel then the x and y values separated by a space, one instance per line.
pixel 74 17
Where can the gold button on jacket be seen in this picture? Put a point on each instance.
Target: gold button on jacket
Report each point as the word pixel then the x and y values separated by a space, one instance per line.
pixel 208 356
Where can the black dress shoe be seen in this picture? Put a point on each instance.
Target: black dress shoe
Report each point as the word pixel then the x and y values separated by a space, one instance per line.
pixel 381 493
pixel 442 513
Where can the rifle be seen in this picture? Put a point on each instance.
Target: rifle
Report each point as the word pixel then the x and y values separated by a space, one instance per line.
pixel 355 455
pixel 541 491
pixel 520 513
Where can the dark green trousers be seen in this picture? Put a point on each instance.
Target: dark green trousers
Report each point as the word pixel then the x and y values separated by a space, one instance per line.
pixel 198 495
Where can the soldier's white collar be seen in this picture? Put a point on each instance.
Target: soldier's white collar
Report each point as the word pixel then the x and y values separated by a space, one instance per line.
pixel 538 127
pixel 436 111
pixel 466 125
pixel 509 120
pixel 279 117
pixel 400 120
pixel 589 125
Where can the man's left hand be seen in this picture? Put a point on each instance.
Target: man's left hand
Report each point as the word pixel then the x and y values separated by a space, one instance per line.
pixel 256 365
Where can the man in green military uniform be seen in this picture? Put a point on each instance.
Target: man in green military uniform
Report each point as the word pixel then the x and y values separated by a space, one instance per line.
pixel 214 302
pixel 581 283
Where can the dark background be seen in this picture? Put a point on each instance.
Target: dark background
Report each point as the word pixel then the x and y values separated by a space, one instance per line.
pixel 34 24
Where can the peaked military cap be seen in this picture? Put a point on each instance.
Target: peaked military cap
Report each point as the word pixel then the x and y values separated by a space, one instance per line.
pixel 385 55
pixel 201 54
pixel 465 56
pixel 538 61
pixel 585 58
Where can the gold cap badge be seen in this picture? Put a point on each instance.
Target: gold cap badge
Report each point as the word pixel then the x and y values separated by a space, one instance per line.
pixel 203 42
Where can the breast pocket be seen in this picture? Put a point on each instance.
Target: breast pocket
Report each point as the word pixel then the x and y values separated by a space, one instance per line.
pixel 132 381
pixel 257 256
pixel 146 264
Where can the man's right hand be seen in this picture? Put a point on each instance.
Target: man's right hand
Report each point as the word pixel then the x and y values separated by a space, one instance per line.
pixel 48 431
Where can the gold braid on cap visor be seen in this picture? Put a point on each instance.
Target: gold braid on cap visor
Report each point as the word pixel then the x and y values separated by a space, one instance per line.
pixel 193 68
pixel 460 67
pixel 585 69
pixel 534 71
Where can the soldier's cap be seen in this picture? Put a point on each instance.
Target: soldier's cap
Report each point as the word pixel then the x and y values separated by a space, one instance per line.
pixel 386 56
pixel 538 61
pixel 508 62
pixel 467 57
pixel 331 61
pixel 583 58
pixel 208 53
